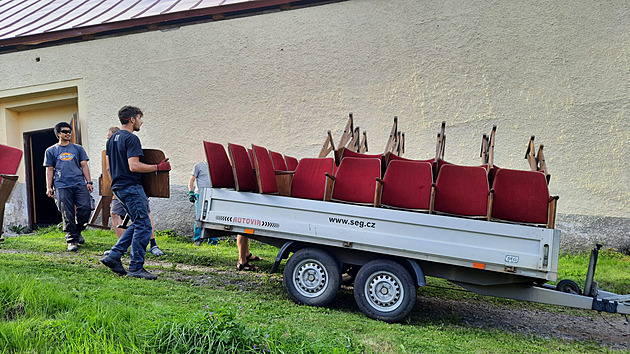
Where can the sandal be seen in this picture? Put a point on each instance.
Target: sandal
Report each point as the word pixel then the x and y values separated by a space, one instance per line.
pixel 248 267
pixel 251 257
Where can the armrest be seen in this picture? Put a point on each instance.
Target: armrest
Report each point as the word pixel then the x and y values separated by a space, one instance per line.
pixel 330 182
pixel 432 200
pixel 280 173
pixel 551 212
pixel 378 192
pixel 329 176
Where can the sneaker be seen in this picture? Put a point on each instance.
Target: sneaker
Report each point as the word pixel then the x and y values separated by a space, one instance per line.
pixel 106 252
pixel 142 273
pixel 213 241
pixel 156 251
pixel 114 264
pixel 72 247
pixel 81 240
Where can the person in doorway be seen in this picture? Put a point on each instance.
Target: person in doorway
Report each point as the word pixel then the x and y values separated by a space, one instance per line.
pixel 123 153
pixel 199 174
pixel 68 181
pixel 118 213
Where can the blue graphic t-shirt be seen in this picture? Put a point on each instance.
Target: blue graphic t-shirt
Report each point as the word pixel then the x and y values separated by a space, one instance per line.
pixel 67 163
pixel 120 147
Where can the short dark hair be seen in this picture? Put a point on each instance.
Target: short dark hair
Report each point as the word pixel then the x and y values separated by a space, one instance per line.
pixel 60 125
pixel 128 112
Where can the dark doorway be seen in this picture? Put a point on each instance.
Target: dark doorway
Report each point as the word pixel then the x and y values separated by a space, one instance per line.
pixel 42 209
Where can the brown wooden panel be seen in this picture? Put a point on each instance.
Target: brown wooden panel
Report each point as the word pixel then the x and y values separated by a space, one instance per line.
pixel 105 182
pixel 156 184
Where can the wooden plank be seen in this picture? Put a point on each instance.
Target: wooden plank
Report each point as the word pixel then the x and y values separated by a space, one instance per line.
pixel 155 184
pixel 105 182
pixel 7 183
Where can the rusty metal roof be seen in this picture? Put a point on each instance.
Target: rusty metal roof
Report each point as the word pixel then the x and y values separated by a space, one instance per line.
pixel 38 21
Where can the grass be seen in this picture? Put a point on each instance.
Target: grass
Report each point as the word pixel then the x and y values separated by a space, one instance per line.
pixel 55 302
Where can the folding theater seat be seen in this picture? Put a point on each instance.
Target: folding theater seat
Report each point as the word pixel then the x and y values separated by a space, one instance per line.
pixel 435 166
pixel 523 197
pixel 278 161
pixel 462 190
pixel 218 165
pixel 242 168
pixel 406 184
pixel 354 181
pixel 10 158
pixel 291 162
pixel 309 180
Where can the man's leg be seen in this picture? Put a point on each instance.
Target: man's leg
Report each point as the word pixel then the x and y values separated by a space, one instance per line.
pixel 65 203
pixel 138 207
pixel 84 209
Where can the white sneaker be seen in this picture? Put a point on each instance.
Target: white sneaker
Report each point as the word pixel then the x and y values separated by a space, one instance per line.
pixel 156 251
pixel 72 247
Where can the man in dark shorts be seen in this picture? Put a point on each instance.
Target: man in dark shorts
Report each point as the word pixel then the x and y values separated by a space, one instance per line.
pixel 66 166
pixel 123 153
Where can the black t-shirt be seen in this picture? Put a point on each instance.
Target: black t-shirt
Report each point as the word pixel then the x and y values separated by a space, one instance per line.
pixel 120 147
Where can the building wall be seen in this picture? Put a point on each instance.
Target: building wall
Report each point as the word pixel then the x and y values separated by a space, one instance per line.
pixel 558 71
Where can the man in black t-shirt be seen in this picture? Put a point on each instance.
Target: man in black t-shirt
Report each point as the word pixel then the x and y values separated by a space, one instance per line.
pixel 123 153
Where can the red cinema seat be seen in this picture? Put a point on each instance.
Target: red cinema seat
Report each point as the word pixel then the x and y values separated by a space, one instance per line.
pixel 462 190
pixel 292 162
pixel 522 197
pixel 355 179
pixel 244 175
pixel 218 165
pixel 265 174
pixel 309 180
pixel 278 161
pixel 407 185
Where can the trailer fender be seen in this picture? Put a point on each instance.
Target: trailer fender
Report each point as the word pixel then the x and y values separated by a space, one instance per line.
pixel 283 253
pixel 417 272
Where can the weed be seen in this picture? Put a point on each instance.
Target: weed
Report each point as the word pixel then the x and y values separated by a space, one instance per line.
pixel 19 229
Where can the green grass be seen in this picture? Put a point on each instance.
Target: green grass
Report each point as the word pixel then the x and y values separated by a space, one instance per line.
pixel 55 302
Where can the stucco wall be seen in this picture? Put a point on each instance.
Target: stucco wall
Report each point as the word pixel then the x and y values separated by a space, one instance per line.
pixel 559 71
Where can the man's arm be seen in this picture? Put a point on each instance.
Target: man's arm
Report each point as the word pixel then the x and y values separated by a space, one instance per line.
pixel 136 166
pixel 191 183
pixel 86 175
pixel 50 171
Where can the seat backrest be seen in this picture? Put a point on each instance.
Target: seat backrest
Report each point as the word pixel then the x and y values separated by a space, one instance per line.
pixel 520 196
pixel 407 184
pixel 218 165
pixel 349 153
pixel 10 158
pixel 244 175
pixel 355 180
pixel 265 174
pixel 292 162
pixel 278 161
pixel 309 180
pixel 462 190
pixel 394 157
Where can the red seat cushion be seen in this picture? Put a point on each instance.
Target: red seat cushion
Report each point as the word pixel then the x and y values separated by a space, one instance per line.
pixel 462 190
pixel 278 161
pixel 245 177
pixel 219 166
pixel 520 196
pixel 10 158
pixel 309 180
pixel 355 180
pixel 292 162
pixel 407 184
pixel 264 170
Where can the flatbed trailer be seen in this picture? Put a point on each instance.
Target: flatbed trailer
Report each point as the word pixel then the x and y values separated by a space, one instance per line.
pixel 389 252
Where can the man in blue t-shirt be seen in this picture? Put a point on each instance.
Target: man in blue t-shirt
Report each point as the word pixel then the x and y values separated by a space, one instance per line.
pixel 123 153
pixel 66 167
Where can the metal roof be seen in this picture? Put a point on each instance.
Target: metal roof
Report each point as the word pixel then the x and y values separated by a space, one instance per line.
pixel 38 21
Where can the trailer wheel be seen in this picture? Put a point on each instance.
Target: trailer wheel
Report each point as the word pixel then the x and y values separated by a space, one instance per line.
pixel 568 286
pixel 312 277
pixel 384 290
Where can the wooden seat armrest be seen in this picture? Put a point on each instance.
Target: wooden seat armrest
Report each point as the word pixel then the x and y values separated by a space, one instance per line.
pixel 284 181
pixel 280 173
pixel 432 200
pixel 490 204
pixel 378 192
pixel 551 212
pixel 330 182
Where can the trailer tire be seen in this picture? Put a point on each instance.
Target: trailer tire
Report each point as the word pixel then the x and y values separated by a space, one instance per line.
pixel 312 277
pixel 384 290
pixel 568 286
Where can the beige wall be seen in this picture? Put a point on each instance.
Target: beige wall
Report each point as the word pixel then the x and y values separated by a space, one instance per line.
pixel 557 70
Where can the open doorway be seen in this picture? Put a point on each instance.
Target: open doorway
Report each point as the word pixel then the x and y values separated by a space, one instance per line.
pixel 42 209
